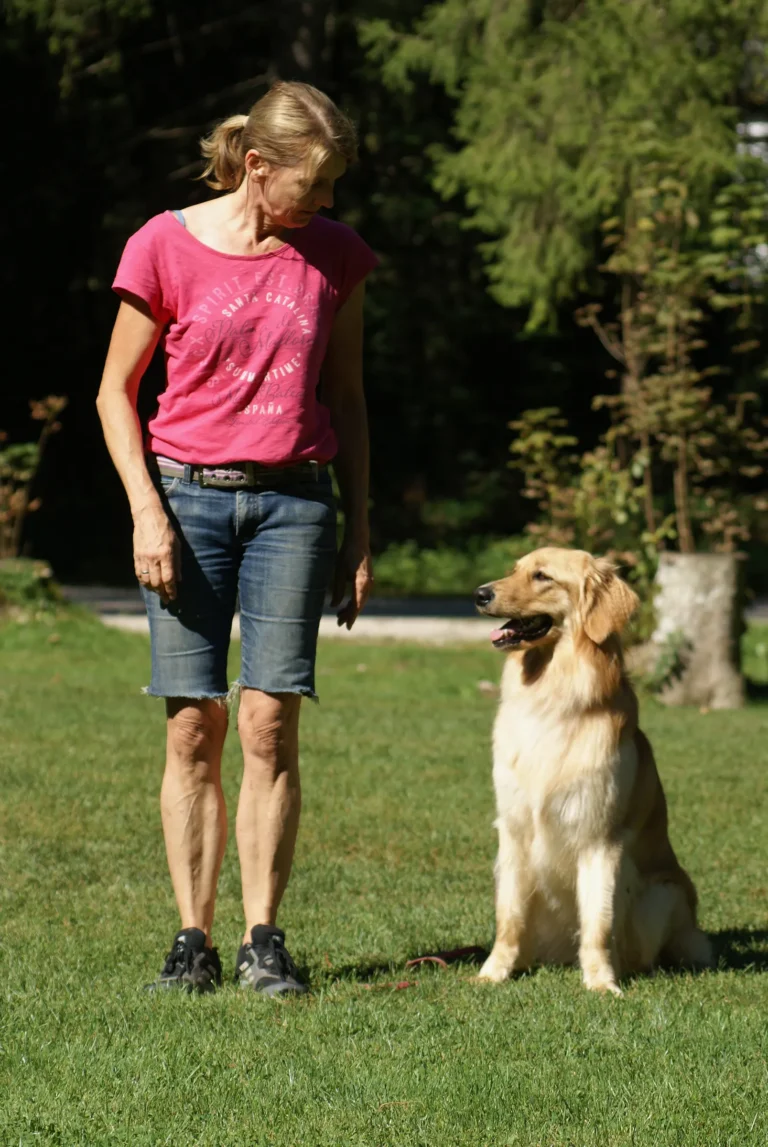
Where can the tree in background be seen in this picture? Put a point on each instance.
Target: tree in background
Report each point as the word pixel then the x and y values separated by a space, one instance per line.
pixel 675 270
pixel 25 585
pixel 19 466
pixel 575 120
pixel 675 467
pixel 560 106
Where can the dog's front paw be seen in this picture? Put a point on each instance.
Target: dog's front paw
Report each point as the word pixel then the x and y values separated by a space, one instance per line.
pixel 494 970
pixel 603 984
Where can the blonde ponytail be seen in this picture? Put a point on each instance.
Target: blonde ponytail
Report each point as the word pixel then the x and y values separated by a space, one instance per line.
pixel 292 123
pixel 223 150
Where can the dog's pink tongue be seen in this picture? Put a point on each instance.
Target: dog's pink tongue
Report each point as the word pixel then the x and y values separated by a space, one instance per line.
pixel 496 634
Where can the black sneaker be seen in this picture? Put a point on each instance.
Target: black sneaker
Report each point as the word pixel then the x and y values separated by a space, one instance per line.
pixel 190 965
pixel 266 966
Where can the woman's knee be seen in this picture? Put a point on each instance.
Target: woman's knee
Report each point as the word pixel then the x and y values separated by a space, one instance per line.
pixel 196 730
pixel 268 726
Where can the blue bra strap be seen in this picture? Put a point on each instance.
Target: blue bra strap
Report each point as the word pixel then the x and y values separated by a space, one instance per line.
pixel 179 215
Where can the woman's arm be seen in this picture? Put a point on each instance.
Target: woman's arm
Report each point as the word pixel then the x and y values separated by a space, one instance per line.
pixel 155 548
pixel 343 394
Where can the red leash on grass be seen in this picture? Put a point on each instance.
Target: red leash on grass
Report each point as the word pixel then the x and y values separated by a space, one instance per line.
pixel 442 959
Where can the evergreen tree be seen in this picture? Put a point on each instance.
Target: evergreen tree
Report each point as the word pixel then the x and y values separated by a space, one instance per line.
pixel 561 105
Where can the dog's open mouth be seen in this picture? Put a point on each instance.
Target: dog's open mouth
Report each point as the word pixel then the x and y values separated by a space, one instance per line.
pixel 521 629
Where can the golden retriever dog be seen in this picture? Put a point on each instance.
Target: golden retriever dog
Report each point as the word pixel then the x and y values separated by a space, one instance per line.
pixel 585 869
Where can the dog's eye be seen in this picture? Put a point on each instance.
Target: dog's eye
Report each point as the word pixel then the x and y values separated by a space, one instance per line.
pixel 541 576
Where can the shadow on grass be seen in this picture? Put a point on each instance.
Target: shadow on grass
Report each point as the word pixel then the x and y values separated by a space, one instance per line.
pixel 756 691
pixel 359 973
pixel 736 949
pixel 741 949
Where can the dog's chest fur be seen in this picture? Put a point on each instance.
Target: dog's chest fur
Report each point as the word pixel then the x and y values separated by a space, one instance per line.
pixel 562 775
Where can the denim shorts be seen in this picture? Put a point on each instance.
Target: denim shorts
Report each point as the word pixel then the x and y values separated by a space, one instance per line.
pixel 272 547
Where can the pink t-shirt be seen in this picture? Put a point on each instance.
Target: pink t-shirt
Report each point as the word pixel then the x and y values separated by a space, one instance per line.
pixel 244 340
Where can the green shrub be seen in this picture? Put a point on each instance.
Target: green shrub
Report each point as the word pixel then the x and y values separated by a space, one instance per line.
pixel 19 464
pixel 27 588
pixel 408 570
pixel 754 650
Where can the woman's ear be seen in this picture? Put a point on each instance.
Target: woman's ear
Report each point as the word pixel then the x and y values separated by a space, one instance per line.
pixel 254 163
pixel 609 602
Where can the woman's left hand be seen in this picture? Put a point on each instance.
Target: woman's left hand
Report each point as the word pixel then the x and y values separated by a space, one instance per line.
pixel 354 565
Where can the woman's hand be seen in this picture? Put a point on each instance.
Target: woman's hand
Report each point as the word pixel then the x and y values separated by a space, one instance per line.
pixel 354 565
pixel 155 548
pixel 156 551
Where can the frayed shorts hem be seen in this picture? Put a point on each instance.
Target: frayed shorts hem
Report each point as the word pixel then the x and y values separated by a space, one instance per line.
pixel 188 695
pixel 230 696
pixel 301 690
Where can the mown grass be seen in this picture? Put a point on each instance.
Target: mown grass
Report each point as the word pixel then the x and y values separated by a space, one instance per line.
pixel 394 860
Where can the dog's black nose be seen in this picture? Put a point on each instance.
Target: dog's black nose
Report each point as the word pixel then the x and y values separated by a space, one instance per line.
pixel 484 595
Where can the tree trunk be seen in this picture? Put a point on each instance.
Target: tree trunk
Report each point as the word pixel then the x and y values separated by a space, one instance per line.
pixel 699 602
pixel 648 507
pixel 682 506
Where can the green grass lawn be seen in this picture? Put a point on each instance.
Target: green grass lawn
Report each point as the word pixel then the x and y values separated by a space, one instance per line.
pixel 394 860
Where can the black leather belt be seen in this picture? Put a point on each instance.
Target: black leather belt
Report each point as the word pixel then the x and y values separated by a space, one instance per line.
pixel 240 475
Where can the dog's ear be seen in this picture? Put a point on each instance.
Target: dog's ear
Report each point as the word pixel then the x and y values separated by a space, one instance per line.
pixel 608 602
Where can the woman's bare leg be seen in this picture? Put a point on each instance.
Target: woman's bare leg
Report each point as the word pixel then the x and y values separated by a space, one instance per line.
pixel 192 806
pixel 270 800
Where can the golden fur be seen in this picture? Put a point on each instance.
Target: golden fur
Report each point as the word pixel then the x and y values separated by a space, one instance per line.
pixel 585 868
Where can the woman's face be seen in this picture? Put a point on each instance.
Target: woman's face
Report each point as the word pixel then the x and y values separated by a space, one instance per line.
pixel 290 196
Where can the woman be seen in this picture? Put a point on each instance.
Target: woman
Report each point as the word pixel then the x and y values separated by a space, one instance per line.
pixel 253 295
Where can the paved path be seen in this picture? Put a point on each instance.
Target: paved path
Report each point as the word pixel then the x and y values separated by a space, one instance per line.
pixel 429 620
pixel 437 620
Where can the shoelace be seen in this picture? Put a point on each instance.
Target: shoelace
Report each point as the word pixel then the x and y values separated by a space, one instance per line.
pixel 179 954
pixel 279 957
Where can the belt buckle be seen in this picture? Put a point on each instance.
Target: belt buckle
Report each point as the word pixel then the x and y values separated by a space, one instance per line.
pixel 243 480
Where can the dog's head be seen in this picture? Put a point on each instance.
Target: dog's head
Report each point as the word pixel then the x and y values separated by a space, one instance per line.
pixel 554 591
